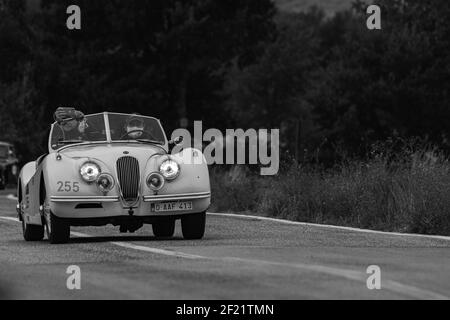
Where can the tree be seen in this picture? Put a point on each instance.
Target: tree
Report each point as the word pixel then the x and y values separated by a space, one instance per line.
pixel 20 118
pixel 270 93
pixel 379 82
pixel 163 57
pixel 333 82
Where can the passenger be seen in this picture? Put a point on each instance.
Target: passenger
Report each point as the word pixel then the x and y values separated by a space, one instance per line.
pixel 73 124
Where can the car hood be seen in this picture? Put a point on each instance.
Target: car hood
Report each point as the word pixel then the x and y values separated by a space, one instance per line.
pixel 113 151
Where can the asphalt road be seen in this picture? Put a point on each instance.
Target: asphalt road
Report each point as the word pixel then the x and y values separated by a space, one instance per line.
pixel 239 258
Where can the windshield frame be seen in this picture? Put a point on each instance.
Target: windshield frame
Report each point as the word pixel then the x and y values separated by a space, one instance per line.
pixel 108 140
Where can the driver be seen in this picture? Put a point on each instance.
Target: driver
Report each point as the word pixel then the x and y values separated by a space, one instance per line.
pixel 134 127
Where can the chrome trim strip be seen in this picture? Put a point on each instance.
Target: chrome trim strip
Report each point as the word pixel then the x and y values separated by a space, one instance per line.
pixel 108 140
pixel 180 195
pixel 107 128
pixel 84 199
pixel 176 197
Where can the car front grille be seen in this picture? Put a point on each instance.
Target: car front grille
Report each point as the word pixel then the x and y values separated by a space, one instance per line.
pixel 129 178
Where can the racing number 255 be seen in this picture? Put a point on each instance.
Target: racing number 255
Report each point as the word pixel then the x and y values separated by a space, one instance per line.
pixel 68 186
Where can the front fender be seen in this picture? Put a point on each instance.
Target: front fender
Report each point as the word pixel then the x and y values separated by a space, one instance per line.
pixel 194 174
pixel 62 176
pixel 25 175
pixel 27 172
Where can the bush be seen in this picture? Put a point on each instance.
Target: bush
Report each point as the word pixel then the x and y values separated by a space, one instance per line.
pixel 409 194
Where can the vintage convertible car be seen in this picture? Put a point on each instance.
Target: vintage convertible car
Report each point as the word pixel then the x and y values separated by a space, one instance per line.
pixel 112 168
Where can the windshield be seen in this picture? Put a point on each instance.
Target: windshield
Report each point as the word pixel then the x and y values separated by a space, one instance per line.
pixel 91 129
pixel 135 127
pixel 123 127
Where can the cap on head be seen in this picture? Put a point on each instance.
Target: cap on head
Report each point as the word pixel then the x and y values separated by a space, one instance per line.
pixel 65 114
pixel 134 126
pixel 134 121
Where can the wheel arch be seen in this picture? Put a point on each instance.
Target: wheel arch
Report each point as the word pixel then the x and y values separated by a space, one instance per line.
pixel 25 175
pixel 19 191
pixel 42 190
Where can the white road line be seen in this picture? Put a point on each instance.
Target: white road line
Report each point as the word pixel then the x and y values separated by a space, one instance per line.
pixel 158 251
pixel 10 219
pixel 146 249
pixel 306 224
pixel 11 197
pixel 389 285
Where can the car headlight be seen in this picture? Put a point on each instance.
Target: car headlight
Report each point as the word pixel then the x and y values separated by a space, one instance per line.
pixel 169 169
pixel 105 182
pixel 89 171
pixel 155 181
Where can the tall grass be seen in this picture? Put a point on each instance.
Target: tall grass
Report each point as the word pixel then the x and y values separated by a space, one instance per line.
pixel 406 191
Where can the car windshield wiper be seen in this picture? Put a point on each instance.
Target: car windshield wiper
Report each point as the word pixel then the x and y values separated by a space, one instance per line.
pixel 149 141
pixel 70 141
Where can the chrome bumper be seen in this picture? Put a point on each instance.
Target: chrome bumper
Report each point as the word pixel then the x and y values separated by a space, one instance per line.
pixel 177 197
pixel 152 198
pixel 84 199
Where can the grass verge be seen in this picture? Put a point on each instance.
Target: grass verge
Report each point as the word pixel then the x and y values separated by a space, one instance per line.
pixel 403 196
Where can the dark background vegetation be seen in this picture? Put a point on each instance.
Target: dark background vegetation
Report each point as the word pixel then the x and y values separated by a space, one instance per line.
pixel 364 115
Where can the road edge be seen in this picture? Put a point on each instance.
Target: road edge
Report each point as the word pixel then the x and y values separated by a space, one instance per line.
pixel 327 226
pixel 308 224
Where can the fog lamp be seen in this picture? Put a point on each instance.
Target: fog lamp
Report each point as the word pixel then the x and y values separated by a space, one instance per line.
pixel 155 181
pixel 105 182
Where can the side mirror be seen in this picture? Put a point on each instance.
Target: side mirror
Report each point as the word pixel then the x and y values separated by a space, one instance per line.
pixel 175 142
pixel 178 140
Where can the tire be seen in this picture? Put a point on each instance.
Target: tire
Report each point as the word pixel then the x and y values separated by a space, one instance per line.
pixel 59 231
pixel 32 232
pixel 193 226
pixel 164 227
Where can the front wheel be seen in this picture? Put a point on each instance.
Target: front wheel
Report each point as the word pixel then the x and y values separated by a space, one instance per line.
pixel 32 232
pixel 193 226
pixel 58 231
pixel 164 227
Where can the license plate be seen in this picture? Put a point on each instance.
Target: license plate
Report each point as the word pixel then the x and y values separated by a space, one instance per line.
pixel 171 206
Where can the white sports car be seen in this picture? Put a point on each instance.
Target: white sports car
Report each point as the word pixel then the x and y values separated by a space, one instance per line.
pixel 112 168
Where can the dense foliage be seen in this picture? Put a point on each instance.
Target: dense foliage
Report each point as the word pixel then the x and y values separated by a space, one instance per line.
pixel 407 194
pixel 328 83
pixel 164 58
pixel 332 84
